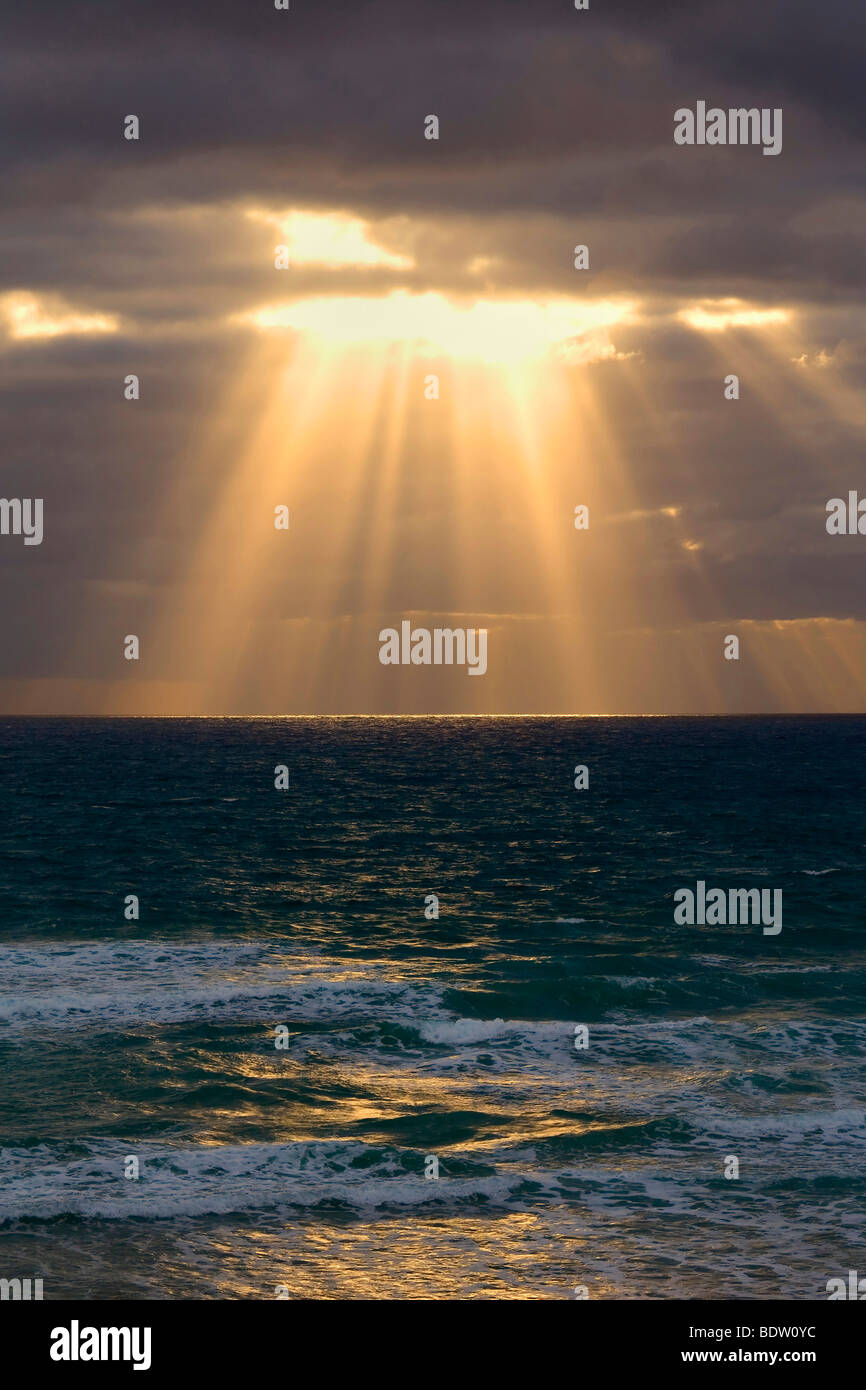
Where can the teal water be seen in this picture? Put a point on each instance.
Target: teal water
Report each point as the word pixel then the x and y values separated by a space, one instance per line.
pixel 412 1039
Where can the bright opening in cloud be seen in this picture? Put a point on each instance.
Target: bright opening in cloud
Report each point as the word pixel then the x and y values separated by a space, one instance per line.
pixel 27 317
pixel 329 239
pixel 715 315
pixel 484 330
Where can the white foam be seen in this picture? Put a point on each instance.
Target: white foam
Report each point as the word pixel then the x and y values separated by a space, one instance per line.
pixel 212 1180
pixel 136 983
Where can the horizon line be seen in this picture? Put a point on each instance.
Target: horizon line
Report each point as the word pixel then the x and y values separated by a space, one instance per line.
pixel 712 714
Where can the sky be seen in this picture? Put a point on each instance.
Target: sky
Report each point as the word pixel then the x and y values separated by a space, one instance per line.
pixel 309 387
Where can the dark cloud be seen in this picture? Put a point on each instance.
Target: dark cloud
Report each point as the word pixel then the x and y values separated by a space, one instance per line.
pixel 556 128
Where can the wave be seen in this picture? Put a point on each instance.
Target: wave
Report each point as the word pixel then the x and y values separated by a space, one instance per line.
pixel 333 1175
pixel 155 983
pixel 201 1181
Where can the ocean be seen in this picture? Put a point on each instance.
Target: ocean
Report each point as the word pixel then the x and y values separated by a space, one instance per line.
pixel 430 1129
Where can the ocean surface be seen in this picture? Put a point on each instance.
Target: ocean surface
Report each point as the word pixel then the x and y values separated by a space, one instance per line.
pixel 560 1168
